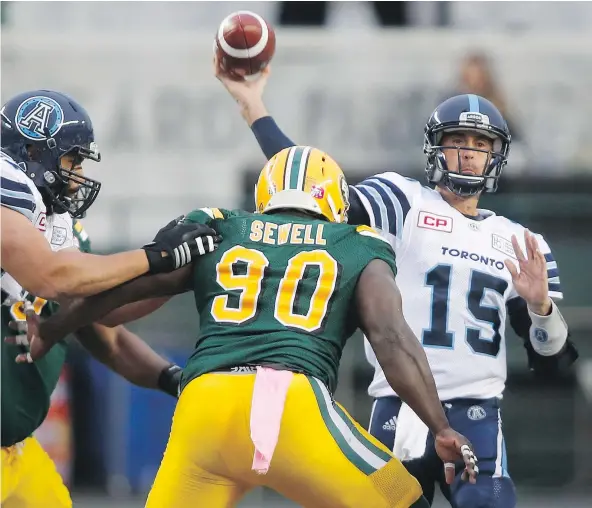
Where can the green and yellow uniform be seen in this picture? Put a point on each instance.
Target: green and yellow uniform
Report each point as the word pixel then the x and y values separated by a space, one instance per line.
pixel 29 478
pixel 279 291
pixel 277 279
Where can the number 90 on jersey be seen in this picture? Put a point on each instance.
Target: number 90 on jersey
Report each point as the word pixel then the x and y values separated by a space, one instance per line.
pixel 249 283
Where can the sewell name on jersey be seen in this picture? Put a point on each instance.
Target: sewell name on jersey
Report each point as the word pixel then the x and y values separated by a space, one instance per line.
pixel 473 256
pixel 281 234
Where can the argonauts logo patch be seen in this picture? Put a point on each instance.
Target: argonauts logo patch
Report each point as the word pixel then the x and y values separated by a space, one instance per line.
pixel 38 115
pixel 541 335
pixel 476 413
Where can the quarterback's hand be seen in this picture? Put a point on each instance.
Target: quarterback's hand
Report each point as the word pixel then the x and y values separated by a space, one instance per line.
pixel 178 244
pixel 531 281
pixel 453 447
pixel 247 92
pixel 29 335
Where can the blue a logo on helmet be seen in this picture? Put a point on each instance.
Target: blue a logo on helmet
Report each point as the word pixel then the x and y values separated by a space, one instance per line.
pixel 39 116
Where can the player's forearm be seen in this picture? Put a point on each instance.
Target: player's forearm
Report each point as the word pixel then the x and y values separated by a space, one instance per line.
pixel 269 136
pixel 133 311
pixel 541 309
pixel 408 372
pixel 127 355
pixel 75 274
pixel 253 110
pixel 124 352
pixel 136 361
pixel 548 332
pixel 85 311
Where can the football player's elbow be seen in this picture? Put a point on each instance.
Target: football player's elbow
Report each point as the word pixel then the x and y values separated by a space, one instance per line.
pixel 42 285
pixel 383 340
pixel 100 341
pixel 112 339
pixel 60 281
pixel 112 320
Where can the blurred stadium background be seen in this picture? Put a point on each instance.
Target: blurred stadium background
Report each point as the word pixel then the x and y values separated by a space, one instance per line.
pixel 358 79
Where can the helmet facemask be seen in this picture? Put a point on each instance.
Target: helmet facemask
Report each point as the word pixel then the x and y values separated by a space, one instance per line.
pixel 464 185
pixel 66 189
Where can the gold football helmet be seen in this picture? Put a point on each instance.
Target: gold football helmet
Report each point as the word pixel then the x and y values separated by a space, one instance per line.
pixel 303 178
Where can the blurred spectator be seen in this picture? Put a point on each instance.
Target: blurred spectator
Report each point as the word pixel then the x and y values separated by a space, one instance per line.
pixel 476 76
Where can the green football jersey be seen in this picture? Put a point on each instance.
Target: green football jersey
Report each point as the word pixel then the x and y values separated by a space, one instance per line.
pixel 279 290
pixel 26 388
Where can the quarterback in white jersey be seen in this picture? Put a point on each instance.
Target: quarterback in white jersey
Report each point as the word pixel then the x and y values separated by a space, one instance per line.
pixel 457 288
pixel 461 271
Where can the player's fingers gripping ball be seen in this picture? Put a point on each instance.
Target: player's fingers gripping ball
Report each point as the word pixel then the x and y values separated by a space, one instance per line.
pixel 244 44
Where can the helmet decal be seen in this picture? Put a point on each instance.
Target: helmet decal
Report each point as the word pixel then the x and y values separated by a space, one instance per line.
pixel 40 128
pixel 39 118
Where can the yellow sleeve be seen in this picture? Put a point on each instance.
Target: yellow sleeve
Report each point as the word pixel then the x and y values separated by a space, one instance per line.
pixel 377 246
pixel 371 232
pixel 205 215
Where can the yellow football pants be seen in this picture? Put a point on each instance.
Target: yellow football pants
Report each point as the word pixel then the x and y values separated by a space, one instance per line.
pixel 323 457
pixel 30 479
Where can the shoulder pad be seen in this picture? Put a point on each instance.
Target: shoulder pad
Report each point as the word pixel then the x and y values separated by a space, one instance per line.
pixel 371 232
pixel 214 213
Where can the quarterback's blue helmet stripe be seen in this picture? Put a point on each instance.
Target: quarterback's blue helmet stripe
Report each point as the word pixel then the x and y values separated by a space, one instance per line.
pixel 395 202
pixel 473 103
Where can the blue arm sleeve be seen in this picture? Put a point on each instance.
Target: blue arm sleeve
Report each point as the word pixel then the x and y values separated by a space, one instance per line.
pixel 272 140
pixel 270 137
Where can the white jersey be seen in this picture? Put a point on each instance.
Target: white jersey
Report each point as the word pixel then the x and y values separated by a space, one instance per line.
pixel 19 193
pixel 454 284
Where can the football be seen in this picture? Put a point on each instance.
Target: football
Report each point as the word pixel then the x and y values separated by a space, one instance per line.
pixel 245 43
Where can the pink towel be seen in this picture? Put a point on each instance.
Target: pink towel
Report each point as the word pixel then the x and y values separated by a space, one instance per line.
pixel 267 407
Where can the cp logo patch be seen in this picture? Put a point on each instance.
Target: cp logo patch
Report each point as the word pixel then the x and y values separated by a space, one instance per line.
pixel 39 116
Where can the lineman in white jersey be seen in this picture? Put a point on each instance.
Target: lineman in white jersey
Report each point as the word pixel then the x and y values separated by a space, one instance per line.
pixel 20 194
pixel 49 135
pixel 461 270
pixel 46 136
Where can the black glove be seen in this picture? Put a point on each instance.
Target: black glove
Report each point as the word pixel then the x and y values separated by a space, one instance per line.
pixel 555 366
pixel 182 243
pixel 169 380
